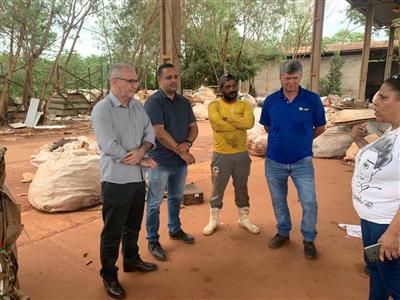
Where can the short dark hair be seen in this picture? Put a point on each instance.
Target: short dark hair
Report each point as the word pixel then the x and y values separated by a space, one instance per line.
pixel 291 66
pixel 224 78
pixel 162 67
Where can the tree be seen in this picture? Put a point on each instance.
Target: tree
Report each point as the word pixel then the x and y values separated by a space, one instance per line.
pixel 332 82
pixel 344 35
pixel 39 36
pixel 298 20
pixel 130 33
pixel 12 24
pixel 230 39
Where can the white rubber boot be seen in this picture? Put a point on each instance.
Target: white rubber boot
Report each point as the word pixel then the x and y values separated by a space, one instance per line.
pixel 245 222
pixel 213 222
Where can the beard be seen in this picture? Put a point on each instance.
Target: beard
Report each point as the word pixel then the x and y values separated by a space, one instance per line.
pixel 231 96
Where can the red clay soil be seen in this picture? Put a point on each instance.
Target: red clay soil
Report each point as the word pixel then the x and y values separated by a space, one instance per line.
pixel 230 264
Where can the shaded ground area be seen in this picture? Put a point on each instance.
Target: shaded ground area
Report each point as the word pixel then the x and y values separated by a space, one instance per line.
pixel 59 252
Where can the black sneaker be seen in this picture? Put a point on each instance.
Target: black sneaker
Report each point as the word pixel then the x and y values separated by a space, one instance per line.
pixel 309 250
pixel 183 236
pixel 156 250
pixel 277 241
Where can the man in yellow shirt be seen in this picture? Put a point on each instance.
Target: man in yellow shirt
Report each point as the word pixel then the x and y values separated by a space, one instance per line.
pixel 230 118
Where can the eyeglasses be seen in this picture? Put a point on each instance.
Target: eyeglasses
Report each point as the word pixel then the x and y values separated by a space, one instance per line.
pixel 396 76
pixel 130 81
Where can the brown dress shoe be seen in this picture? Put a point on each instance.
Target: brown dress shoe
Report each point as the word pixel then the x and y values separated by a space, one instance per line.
pixel 277 241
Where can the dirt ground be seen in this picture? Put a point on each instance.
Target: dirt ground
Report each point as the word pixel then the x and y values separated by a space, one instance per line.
pixel 58 253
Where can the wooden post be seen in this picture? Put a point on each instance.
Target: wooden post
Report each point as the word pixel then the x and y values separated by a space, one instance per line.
pixel 171 33
pixel 389 54
pixel 365 53
pixel 319 8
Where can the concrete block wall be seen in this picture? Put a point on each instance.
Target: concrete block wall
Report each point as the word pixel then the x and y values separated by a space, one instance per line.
pixel 267 80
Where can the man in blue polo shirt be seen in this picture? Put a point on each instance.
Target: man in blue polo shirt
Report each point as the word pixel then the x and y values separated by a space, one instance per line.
pixel 292 117
pixel 176 129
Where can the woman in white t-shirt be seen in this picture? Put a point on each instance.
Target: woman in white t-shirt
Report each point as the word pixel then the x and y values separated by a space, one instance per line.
pixel 376 192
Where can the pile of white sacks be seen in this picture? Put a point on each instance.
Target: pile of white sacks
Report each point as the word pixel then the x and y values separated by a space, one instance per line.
pixel 67 178
pixel 203 96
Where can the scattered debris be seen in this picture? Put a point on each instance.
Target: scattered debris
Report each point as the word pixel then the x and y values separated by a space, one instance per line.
pixel 17 125
pixel 354 116
pixel 33 115
pixel 27 177
pixel 352 230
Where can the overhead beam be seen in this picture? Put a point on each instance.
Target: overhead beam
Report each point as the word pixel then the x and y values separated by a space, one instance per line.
pixel 365 53
pixel 319 8
pixel 389 54
pixel 170 13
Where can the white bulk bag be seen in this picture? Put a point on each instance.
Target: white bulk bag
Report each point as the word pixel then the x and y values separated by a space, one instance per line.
pixel 66 182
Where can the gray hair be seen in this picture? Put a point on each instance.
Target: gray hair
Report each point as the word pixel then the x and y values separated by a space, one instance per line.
pixel 291 66
pixel 117 68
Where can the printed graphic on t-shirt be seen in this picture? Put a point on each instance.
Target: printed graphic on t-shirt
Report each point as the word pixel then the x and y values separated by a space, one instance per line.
pixel 373 160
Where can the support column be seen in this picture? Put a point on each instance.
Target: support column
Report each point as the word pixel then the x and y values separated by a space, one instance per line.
pixel 319 8
pixel 170 12
pixel 365 53
pixel 389 54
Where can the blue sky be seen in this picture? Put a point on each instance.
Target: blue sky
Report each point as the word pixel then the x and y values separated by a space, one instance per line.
pixel 335 20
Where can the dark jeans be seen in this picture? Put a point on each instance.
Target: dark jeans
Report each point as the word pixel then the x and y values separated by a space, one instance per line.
pixel 123 206
pixel 384 276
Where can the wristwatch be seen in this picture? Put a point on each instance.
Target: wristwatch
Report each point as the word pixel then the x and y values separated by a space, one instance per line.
pixel 189 143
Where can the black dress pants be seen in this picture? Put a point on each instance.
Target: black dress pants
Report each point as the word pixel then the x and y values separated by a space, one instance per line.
pixel 123 206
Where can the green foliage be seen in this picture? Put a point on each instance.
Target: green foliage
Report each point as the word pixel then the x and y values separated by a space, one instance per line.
pixel 344 35
pixel 78 65
pixel 235 36
pixel 130 33
pixel 332 82
pixel 298 17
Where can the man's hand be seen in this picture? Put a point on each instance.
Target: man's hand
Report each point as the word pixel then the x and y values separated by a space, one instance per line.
pixel 358 132
pixel 182 148
pixel 133 157
pixel 390 247
pixel 148 163
pixel 188 158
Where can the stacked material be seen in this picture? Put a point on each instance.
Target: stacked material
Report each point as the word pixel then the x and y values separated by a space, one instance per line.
pixel 200 99
pixel 256 136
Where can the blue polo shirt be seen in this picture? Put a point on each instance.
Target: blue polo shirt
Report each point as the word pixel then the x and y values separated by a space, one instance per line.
pixel 176 115
pixel 291 124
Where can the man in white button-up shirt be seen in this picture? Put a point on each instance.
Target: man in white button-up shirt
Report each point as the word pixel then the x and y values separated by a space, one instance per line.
pixel 124 134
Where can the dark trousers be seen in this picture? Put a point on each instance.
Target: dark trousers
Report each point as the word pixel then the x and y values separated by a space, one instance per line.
pixel 123 206
pixel 223 166
pixel 384 275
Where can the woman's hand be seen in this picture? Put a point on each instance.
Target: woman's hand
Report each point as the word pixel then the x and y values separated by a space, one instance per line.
pixel 358 132
pixel 390 247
